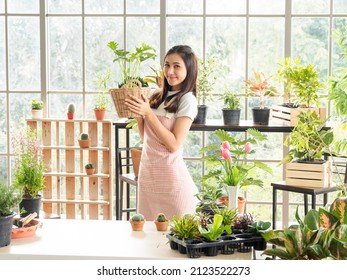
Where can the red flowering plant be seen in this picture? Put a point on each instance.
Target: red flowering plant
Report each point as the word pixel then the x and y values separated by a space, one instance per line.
pixel 227 160
pixel 29 165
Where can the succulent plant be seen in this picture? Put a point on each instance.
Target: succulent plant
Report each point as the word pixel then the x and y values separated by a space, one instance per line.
pixel 89 166
pixel 84 136
pixel 137 218
pixel 243 221
pixel 161 217
pixel 71 108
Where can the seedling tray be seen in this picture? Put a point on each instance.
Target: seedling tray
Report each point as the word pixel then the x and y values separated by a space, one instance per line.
pixel 227 244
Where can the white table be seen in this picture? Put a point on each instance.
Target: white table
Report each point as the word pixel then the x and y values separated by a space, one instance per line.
pixel 61 239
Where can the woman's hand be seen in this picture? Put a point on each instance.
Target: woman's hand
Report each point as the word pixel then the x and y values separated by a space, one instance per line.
pixel 138 105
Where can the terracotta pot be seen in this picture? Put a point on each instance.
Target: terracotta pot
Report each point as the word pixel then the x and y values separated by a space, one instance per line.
pixel 70 116
pixel 241 203
pixel 136 159
pixel 162 226
pixel 137 225
pixel 100 114
pixel 28 230
pixel 84 143
pixel 90 171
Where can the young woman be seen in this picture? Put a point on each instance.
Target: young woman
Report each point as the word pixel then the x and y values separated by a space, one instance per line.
pixel 164 182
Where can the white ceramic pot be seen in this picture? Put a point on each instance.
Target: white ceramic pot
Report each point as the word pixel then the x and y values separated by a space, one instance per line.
pixel 233 193
pixel 36 114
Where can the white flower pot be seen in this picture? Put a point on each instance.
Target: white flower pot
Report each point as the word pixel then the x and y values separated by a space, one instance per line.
pixel 233 193
pixel 36 114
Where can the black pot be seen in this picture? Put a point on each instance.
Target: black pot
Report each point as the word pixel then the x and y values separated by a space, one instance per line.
pixel 201 116
pixel 30 205
pixel 6 223
pixel 261 116
pixel 231 116
pixel 259 245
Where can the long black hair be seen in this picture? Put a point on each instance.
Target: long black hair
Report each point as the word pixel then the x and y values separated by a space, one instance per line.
pixel 188 85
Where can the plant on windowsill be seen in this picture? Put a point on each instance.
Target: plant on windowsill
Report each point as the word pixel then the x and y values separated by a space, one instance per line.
pixel 102 98
pixel 260 87
pixel 232 108
pixel 71 111
pixel 205 83
pixel 36 109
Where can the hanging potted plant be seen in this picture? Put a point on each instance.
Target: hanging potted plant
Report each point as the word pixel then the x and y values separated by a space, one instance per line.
pixel 205 83
pixel 260 87
pixel 102 99
pixel 231 109
pixel 10 197
pixel 130 83
pixel 28 170
pixel 36 109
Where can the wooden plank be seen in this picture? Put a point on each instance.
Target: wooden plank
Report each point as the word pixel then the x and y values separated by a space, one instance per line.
pixel 306 183
pixel 290 116
pixel 70 168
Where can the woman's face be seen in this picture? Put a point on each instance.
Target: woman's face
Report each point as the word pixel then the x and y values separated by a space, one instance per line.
pixel 175 71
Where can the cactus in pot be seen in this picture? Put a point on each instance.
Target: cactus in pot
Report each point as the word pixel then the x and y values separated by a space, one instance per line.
pixel 89 168
pixel 71 111
pixel 84 140
pixel 161 222
pixel 137 221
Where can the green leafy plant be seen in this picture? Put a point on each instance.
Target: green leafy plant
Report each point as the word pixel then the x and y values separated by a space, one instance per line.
pixel 259 227
pixel 29 165
pixel 308 140
pixel 102 99
pixel 227 159
pixel 157 78
pixel 260 87
pixel 36 104
pixel 213 231
pixel 231 99
pixel 322 234
pixel 302 82
pixel 206 80
pixel 10 197
pixel 229 215
pixel 130 63
pixel 185 227
pixel 208 198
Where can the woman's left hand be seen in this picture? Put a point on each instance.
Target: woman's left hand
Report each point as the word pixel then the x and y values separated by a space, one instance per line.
pixel 138 105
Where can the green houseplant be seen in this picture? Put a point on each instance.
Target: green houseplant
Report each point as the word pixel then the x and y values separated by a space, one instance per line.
pixel 321 234
pixel 212 231
pixel 28 169
pixel 36 109
pixel 10 197
pixel 185 227
pixel 226 162
pixel 261 88
pixel 205 83
pixel 102 98
pixel 232 109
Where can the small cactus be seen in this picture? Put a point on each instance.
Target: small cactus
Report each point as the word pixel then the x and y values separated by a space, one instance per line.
pixel 89 166
pixel 161 217
pixel 84 136
pixel 137 218
pixel 71 108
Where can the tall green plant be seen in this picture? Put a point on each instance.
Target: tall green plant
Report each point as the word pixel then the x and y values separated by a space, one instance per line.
pixel 10 197
pixel 206 80
pixel 130 63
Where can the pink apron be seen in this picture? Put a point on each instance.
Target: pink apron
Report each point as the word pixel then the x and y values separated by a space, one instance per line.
pixel 164 183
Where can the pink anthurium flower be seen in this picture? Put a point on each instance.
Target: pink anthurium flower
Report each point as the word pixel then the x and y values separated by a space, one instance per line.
pixel 226 145
pixel 225 153
pixel 248 147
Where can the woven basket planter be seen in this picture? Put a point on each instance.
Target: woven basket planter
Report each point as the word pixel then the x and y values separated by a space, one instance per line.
pixel 120 94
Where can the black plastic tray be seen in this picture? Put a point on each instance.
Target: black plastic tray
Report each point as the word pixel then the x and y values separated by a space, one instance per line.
pixel 227 244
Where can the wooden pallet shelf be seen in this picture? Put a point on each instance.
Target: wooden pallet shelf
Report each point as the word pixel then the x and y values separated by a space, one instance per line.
pixel 69 192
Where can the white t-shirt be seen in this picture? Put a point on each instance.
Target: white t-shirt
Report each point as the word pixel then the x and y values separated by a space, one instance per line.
pixel 187 107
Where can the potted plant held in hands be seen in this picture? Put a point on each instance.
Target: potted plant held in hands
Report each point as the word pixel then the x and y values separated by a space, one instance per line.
pixel 260 87
pixel 231 110
pixel 28 170
pixel 10 197
pixel 130 83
